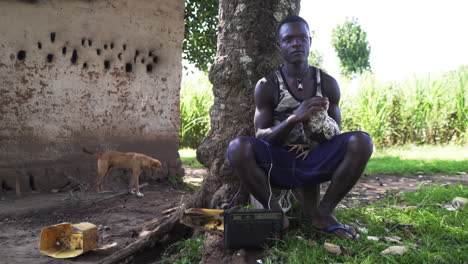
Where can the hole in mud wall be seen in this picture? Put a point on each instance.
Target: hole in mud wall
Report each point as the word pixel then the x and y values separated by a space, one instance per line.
pixel 64 50
pixel 119 56
pixel 52 37
pixel 5 187
pixel 149 68
pixel 83 42
pixel 21 55
pixel 32 182
pixel 106 64
pixel 74 57
pixel 142 61
pixel 128 67
pixel 136 55
pixel 98 51
pixel 112 45
pixel 150 54
pixel 155 59
pixel 39 45
pixel 90 42
pixel 50 57
pixel 124 47
pixel 105 46
pixel 85 65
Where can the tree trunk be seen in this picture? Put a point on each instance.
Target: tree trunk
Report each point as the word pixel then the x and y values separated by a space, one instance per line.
pixel 246 52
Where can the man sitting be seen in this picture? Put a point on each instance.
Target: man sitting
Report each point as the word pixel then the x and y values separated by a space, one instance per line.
pixel 298 142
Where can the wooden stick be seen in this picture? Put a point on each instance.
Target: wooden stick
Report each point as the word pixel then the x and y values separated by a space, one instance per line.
pixel 149 240
pixel 117 194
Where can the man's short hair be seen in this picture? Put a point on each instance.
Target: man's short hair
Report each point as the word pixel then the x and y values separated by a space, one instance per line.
pixel 292 19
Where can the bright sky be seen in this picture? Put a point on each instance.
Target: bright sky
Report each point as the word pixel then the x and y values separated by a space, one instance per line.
pixel 407 37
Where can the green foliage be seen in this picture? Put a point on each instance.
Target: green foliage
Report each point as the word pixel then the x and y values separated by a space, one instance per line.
pixel 430 110
pixel 411 160
pixel 351 45
pixel 184 252
pixel 397 165
pixel 201 22
pixel 195 101
pixel 405 160
pixel 316 59
pixel 434 196
pixel 175 180
pixel 439 235
pixel 189 157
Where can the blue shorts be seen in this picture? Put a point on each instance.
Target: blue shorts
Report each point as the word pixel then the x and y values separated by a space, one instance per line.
pixel 288 172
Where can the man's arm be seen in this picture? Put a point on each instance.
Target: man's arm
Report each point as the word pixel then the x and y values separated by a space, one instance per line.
pixel 333 93
pixel 263 119
pixel 264 102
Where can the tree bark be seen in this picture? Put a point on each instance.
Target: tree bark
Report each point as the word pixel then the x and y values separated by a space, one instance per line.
pixel 246 52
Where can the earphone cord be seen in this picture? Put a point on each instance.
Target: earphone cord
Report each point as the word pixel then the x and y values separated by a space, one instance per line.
pixel 269 185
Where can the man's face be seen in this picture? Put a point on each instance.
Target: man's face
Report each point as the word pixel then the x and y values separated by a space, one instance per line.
pixel 294 42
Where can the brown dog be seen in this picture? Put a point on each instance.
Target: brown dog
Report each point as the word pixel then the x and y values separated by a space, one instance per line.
pixel 124 160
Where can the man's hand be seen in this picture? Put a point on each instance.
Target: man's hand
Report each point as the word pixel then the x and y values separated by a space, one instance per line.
pixel 308 107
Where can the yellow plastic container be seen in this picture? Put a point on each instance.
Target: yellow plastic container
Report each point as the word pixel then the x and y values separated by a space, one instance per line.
pixel 67 240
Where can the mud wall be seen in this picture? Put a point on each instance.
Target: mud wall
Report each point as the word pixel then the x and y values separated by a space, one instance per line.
pixel 102 74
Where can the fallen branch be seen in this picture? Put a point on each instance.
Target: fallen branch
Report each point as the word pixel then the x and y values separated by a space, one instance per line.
pixel 116 194
pixel 149 240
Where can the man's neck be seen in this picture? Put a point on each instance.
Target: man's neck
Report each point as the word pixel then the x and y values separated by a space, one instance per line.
pixel 296 70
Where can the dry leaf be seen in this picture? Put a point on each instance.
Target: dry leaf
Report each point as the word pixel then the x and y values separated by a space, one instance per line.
pixel 408 233
pixel 395 250
pixel 335 249
pixel 362 230
pixel 394 239
pixel 449 206
pixel 459 202
pixel 408 208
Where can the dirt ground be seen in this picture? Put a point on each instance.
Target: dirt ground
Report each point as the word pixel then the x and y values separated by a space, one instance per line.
pixel 119 217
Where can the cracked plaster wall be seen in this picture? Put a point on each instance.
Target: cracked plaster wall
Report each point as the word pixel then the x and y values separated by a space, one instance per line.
pixel 104 75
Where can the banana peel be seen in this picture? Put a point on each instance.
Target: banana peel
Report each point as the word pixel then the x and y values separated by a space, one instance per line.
pixel 211 219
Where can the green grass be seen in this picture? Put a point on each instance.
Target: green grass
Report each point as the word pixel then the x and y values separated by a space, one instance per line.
pixel 441 236
pixel 410 159
pixel 406 160
pixel 188 157
pixel 184 252
pixel 421 110
pixel 426 110
pixel 196 98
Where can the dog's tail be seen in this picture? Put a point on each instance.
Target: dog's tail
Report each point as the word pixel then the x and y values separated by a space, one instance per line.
pixel 91 153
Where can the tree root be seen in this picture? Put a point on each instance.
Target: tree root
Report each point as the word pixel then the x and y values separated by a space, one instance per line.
pixel 151 237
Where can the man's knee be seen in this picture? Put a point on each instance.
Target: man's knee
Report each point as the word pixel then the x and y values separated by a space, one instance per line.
pixel 239 149
pixel 360 143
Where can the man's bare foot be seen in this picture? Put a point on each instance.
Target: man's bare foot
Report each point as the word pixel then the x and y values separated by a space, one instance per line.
pixel 324 222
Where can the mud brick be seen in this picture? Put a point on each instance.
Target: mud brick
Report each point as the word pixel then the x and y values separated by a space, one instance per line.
pixel 8 178
pixel 50 178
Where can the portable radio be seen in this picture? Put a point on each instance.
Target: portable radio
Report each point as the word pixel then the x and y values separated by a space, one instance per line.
pixel 252 228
